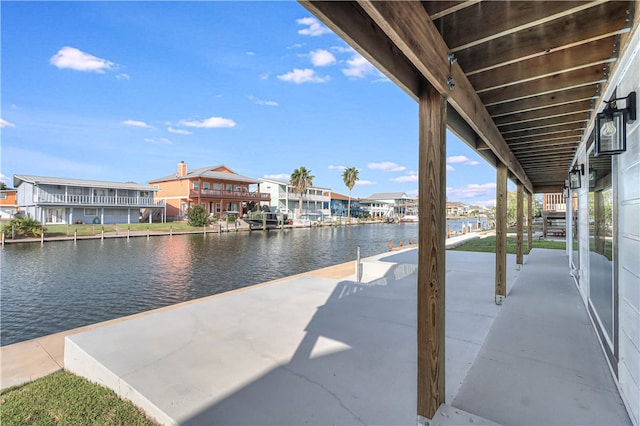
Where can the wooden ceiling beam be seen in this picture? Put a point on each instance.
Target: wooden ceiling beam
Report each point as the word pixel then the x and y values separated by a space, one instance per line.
pixel 519 149
pixel 438 9
pixel 558 136
pixel 547 189
pixel 604 20
pixel 555 111
pixel 565 81
pixel 545 122
pixel 500 19
pixel 561 97
pixel 413 32
pixel 583 56
pixel 577 127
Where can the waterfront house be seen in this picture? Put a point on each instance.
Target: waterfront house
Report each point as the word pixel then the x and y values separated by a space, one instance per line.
pixel 284 198
pixel 340 206
pixel 545 91
pixel 387 204
pixel 216 188
pixel 54 200
pixel 8 204
pixel 456 208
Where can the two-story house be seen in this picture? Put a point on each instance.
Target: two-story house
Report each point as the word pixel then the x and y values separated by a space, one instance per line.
pixel 285 199
pixel 54 200
pixel 387 204
pixel 340 205
pixel 216 188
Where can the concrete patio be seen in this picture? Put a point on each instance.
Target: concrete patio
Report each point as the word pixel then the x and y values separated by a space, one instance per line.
pixel 317 350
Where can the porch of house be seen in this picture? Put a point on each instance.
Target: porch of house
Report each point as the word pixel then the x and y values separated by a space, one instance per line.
pixel 319 350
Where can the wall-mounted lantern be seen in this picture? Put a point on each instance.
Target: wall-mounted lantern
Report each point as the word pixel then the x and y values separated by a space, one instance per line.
pixel 565 190
pixel 575 176
pixel 611 126
pixel 593 175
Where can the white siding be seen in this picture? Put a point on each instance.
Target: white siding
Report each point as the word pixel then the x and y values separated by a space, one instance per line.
pixel 629 249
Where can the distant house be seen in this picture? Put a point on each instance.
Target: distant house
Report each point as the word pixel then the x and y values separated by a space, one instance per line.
pixel 8 204
pixel 388 204
pixel 456 208
pixel 216 188
pixel 284 198
pixel 53 200
pixel 340 206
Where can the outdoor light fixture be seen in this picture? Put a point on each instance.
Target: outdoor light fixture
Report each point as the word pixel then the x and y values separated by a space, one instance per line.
pixel 575 181
pixel 611 126
pixel 565 190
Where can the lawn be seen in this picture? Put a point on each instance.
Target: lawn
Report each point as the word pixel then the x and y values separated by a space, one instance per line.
pixel 88 230
pixel 488 245
pixel 65 399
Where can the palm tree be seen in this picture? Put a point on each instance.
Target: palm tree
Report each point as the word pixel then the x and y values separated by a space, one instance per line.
pixel 301 179
pixel 349 177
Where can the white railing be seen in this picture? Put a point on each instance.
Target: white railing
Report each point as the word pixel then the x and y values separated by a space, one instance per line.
pixel 98 200
pixel 305 197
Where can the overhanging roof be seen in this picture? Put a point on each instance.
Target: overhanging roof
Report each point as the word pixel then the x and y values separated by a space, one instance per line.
pixel 528 74
pixel 44 180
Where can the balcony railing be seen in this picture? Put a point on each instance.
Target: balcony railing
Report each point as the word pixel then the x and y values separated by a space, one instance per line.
pixel 221 194
pixel 305 197
pixel 98 200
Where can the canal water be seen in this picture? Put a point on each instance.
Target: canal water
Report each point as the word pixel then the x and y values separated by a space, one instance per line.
pixel 63 285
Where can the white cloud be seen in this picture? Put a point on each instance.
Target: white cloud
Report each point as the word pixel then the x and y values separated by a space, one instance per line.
pixel 359 67
pixel 159 141
pixel 123 76
pixel 306 75
pixel 386 166
pixel 136 123
pixel 264 76
pixel 485 203
pixel 279 176
pixel 313 27
pixel 5 123
pixel 250 53
pixel 341 168
pixel 6 179
pixel 295 46
pixel 178 131
pixel 75 59
pixel 259 101
pixel 450 168
pixel 209 123
pixel 342 49
pixel 365 182
pixel 322 58
pixel 411 177
pixel 472 190
pixel 461 159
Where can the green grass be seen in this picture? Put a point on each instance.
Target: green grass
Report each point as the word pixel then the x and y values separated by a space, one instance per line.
pixel 65 399
pixel 88 230
pixel 488 245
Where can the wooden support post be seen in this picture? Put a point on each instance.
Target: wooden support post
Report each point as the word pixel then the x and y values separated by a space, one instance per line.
pixel 431 256
pixel 530 220
pixel 519 226
pixel 501 233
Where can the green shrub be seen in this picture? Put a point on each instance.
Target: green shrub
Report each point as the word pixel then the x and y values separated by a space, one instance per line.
pixel 197 216
pixel 24 227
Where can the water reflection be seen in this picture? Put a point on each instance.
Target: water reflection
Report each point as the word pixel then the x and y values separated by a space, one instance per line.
pixel 63 285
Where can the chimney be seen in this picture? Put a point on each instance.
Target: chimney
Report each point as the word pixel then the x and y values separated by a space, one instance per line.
pixel 182 169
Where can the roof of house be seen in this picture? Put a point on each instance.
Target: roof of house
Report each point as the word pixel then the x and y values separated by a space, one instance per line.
pixel 209 172
pixel 387 196
pixel 287 183
pixel 336 196
pixel 45 180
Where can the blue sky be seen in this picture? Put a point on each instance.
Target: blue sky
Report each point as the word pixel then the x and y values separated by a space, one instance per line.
pixel 123 91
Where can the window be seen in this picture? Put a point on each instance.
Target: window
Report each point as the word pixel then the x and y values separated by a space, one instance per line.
pixel 216 186
pixel 156 186
pixel 91 212
pixel 205 185
pixel 229 187
pixel 237 189
pixel 196 185
pixel 217 207
pixel 3 196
